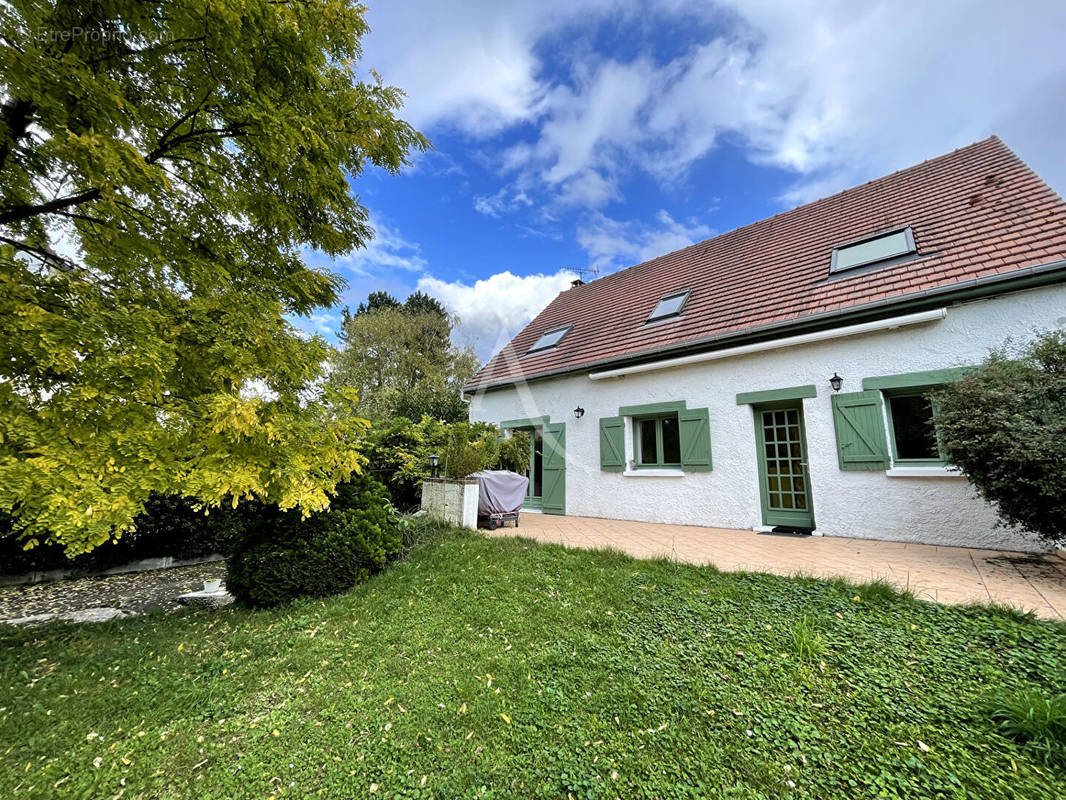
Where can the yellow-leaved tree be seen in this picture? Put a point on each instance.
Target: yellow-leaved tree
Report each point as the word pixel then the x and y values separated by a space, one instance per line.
pixel 162 170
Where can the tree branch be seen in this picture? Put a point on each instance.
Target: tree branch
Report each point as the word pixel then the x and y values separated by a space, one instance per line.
pixel 21 212
pixel 16 117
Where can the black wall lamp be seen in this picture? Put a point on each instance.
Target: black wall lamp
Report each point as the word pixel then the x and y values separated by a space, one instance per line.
pixel 579 412
pixel 434 460
pixel 836 382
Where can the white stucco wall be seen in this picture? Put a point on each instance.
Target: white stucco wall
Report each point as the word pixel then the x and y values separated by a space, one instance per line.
pixel 940 510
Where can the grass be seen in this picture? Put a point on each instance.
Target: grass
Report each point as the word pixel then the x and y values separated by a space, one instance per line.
pixel 502 668
pixel 1033 717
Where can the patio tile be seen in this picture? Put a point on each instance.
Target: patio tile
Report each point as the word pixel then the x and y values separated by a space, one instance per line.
pixel 933 572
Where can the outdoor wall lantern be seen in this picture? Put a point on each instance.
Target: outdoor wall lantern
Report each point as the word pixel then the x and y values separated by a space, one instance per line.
pixel 836 382
pixel 434 460
pixel 579 412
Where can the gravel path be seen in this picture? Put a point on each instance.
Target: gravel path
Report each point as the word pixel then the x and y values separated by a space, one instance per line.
pixel 132 593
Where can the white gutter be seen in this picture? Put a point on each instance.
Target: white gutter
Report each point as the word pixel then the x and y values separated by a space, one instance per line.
pixel 789 341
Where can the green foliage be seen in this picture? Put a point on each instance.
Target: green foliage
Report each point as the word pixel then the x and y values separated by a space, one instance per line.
pixel 398 453
pixel 468 448
pixel 516 451
pixel 421 303
pixel 501 668
pixel 282 556
pixel 1033 717
pixel 807 643
pixel 400 360
pixel 1005 427
pixel 161 173
pixel 376 301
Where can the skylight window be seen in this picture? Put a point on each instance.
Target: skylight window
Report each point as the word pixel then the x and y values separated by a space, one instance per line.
pixel 872 250
pixel 669 306
pixel 549 339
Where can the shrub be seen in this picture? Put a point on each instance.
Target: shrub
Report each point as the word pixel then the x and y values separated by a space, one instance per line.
pixel 1005 427
pixel 515 452
pixel 399 453
pixel 282 556
pixel 469 448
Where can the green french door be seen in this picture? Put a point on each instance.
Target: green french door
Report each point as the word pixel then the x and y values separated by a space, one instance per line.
pixel 784 483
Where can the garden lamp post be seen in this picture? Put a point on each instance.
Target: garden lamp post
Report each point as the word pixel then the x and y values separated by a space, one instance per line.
pixel 434 460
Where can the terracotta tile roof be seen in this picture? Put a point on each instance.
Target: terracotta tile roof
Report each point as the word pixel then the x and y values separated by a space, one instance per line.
pixel 976 212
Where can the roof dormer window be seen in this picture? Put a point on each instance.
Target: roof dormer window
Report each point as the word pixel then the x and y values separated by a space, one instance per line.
pixel 550 339
pixel 873 250
pixel 670 305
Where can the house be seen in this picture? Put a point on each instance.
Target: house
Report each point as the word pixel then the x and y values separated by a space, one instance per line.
pixel 778 376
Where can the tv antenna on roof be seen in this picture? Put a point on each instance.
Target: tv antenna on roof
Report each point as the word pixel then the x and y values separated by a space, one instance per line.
pixel 581 273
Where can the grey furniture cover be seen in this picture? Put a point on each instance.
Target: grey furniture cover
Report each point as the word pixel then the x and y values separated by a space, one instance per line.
pixel 500 491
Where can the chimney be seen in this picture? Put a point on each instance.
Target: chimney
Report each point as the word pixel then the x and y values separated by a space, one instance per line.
pixel 576 282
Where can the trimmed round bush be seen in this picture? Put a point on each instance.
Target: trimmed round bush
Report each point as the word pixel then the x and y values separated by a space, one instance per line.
pixel 282 557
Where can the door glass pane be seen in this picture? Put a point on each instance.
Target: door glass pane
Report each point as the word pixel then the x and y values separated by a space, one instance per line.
pixel 671 441
pixel 648 452
pixel 538 462
pixel 912 425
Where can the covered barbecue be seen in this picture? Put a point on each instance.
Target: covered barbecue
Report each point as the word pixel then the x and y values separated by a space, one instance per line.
pixel 501 494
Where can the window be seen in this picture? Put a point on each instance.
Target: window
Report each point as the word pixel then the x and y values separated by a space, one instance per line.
pixel 550 339
pixel 669 306
pixel 872 250
pixel 911 422
pixel 657 441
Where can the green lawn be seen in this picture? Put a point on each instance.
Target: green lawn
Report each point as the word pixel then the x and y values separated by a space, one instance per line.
pixel 501 668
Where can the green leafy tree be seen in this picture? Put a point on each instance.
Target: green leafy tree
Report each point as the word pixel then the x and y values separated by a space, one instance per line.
pixel 1005 427
pixel 398 453
pixel 162 169
pixel 400 360
pixel 422 303
pixel 375 301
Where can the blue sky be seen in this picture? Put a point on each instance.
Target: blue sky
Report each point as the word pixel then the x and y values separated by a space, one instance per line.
pixel 600 133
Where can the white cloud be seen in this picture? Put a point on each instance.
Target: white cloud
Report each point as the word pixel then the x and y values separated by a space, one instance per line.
pixel 612 243
pixel 388 250
pixel 837 92
pixel 497 203
pixel 494 309
pixel 470 65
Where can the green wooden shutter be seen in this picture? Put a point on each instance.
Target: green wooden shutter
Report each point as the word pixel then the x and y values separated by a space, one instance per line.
pixel 553 495
pixel 695 429
pixel 612 444
pixel 860 428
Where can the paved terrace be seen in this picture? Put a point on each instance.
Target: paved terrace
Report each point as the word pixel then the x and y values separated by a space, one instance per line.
pixel 943 574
